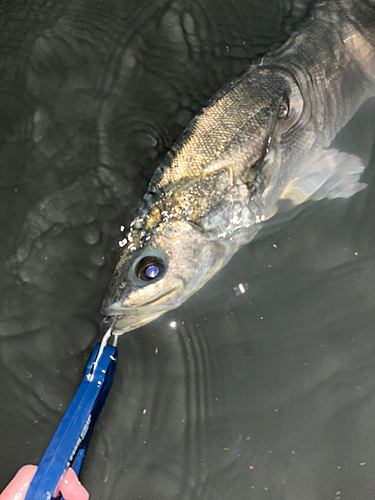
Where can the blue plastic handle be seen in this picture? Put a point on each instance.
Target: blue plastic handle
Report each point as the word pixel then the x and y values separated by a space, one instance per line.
pixel 69 443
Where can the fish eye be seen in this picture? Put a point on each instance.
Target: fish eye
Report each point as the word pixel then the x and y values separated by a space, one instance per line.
pixel 150 268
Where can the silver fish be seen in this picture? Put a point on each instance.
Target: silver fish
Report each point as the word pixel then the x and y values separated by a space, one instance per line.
pixel 264 137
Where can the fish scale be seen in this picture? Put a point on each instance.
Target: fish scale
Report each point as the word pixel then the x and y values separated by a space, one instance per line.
pixel 224 119
pixel 264 137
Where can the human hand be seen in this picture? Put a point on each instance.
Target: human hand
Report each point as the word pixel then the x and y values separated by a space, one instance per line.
pixel 69 485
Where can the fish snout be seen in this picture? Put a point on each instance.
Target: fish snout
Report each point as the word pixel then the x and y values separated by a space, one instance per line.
pixel 126 318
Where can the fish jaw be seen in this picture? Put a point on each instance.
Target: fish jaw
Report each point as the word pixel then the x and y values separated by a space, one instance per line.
pixel 126 319
pixel 127 322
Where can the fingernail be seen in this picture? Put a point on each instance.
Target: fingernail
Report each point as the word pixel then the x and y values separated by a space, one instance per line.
pixel 70 487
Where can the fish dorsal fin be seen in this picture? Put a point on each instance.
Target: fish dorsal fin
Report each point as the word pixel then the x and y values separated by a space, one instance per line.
pixel 330 174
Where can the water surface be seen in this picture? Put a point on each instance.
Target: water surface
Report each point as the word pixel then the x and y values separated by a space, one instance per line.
pixel 265 394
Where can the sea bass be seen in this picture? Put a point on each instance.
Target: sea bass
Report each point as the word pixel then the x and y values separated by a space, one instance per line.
pixel 264 137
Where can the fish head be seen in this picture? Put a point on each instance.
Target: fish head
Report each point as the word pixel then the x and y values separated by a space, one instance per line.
pixel 157 272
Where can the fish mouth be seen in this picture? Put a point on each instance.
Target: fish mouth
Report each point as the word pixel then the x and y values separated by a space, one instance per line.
pixel 126 323
pixel 161 300
pixel 125 319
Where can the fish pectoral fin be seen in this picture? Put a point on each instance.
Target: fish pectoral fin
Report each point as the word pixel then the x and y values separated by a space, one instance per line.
pixel 332 174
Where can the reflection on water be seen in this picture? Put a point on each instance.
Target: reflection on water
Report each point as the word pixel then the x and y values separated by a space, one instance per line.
pixel 262 394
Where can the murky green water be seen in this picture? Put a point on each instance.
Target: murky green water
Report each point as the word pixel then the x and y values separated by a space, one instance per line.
pixel 264 394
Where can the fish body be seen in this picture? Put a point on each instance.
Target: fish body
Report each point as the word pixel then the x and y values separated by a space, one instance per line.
pixel 264 137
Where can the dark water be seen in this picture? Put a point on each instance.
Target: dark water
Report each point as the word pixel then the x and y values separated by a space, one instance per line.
pixel 267 394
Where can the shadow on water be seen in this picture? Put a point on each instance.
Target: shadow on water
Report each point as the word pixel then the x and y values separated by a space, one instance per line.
pixel 265 394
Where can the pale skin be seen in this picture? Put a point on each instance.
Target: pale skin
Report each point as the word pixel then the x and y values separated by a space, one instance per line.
pixel 69 486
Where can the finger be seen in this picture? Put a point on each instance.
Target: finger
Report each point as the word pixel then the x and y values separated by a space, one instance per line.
pixel 70 487
pixel 17 488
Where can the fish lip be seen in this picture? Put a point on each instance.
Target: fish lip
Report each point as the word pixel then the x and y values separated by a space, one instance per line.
pixel 141 309
pixel 131 322
pixel 176 288
pixel 137 316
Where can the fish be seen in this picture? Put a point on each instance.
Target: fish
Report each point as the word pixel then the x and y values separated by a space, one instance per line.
pixel 264 137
